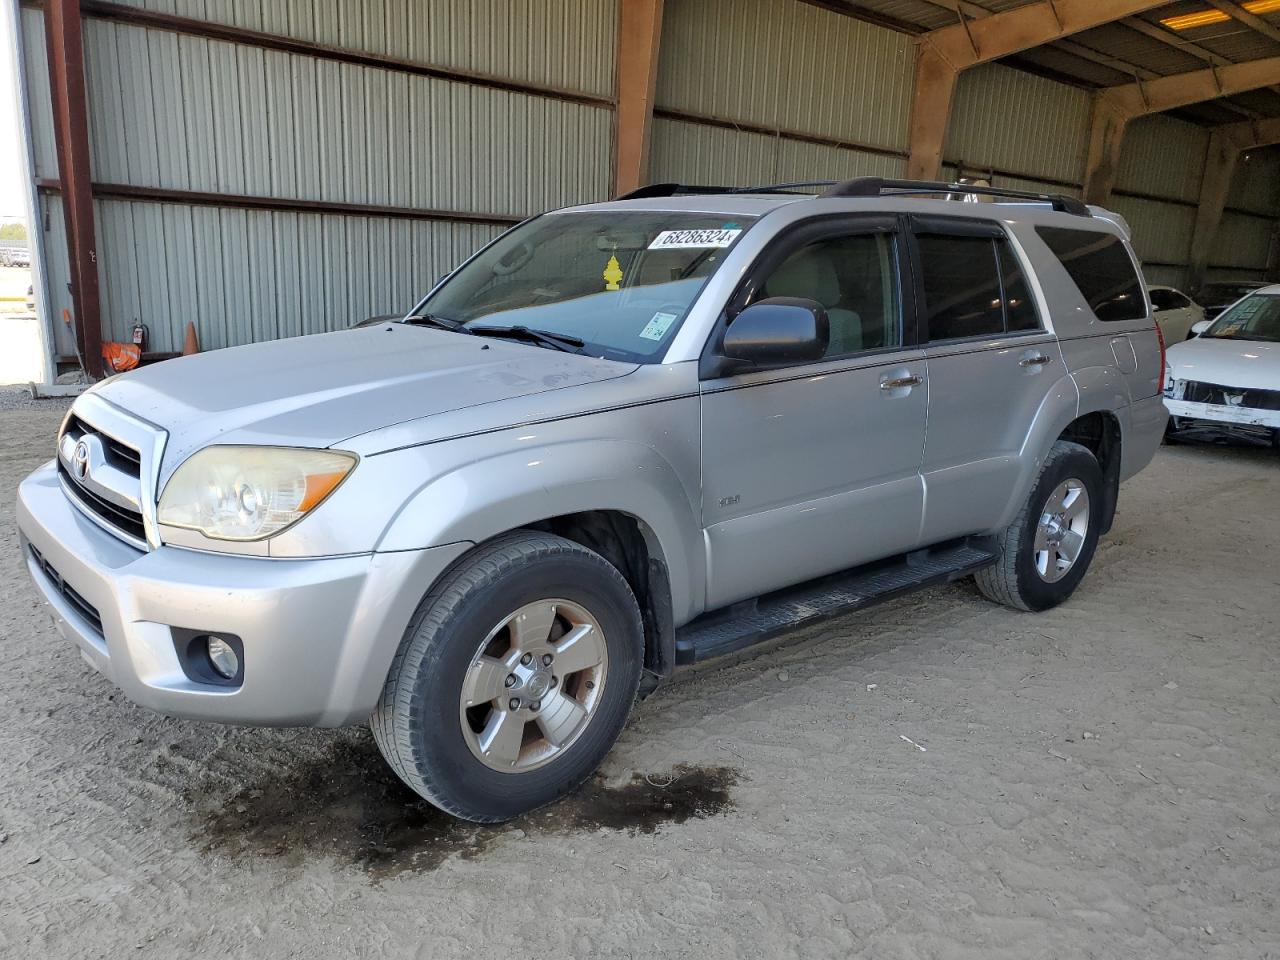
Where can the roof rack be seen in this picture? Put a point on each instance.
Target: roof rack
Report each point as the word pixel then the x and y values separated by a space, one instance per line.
pixel 867 187
pixel 877 187
pixel 686 189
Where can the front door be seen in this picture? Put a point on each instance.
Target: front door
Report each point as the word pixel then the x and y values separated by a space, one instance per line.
pixel 813 468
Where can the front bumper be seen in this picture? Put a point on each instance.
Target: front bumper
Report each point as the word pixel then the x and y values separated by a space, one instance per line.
pixel 1233 416
pixel 319 635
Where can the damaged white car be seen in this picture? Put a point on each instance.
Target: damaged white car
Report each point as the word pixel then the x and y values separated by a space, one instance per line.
pixel 1228 377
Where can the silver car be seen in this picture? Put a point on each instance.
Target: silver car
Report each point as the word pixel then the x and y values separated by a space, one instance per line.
pixel 621 438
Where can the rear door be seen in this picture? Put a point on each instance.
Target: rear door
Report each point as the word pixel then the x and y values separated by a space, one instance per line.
pixel 991 363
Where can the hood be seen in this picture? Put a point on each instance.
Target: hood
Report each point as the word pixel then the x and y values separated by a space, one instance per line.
pixel 1249 364
pixel 318 390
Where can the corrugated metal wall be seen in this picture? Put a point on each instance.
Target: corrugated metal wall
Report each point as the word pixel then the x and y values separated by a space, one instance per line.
pixel 1163 157
pixel 558 43
pixel 1248 241
pixel 779 68
pixel 1157 191
pixel 176 111
pixel 1008 120
pixel 748 91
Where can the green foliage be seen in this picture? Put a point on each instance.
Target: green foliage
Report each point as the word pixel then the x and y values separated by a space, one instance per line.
pixel 13 231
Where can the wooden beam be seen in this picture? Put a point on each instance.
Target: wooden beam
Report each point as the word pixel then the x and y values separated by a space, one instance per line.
pixel 1226 143
pixel 639 38
pixel 943 53
pixel 71 136
pixel 1115 107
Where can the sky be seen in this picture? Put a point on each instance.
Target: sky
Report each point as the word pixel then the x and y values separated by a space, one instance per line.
pixel 13 171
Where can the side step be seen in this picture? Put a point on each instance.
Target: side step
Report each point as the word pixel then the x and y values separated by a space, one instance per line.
pixel 753 621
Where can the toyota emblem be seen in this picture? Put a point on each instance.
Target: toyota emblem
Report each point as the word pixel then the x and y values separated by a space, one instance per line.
pixel 80 460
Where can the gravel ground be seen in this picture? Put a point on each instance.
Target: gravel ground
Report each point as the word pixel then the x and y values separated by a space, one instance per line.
pixel 934 778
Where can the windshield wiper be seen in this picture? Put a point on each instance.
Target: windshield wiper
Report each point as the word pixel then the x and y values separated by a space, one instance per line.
pixel 432 320
pixel 545 338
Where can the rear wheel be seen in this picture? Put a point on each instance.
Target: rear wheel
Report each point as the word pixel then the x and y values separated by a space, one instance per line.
pixel 1045 552
pixel 514 678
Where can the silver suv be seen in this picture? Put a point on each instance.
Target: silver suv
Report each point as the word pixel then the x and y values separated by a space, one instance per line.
pixel 622 437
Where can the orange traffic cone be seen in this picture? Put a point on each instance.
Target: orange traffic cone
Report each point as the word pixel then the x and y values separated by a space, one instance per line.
pixel 192 344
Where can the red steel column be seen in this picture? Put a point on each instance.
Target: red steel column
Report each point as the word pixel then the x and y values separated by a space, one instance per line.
pixel 71 132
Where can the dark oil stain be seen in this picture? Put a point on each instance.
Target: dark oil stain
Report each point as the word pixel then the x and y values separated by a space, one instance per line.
pixel 349 805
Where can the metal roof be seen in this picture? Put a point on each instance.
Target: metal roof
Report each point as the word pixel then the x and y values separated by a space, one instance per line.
pixel 1140 47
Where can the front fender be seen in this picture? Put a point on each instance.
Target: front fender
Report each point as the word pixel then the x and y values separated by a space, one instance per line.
pixel 491 495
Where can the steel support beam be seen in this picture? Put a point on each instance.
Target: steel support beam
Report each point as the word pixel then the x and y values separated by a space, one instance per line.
pixel 1225 146
pixel 1115 107
pixel 639 38
pixel 943 53
pixel 1250 20
pixel 71 133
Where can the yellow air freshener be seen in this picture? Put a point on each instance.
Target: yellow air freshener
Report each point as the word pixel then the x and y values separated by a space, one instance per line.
pixel 612 274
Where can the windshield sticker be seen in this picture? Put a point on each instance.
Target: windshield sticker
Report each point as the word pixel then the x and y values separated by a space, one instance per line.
pixel 658 326
pixel 693 239
pixel 612 274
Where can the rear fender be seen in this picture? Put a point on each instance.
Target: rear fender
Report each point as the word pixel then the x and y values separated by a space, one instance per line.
pixel 481 499
pixel 1058 409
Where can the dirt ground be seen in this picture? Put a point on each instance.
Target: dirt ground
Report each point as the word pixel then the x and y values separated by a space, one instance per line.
pixel 935 778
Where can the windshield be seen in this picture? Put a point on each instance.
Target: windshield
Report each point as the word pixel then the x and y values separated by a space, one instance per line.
pixel 620 281
pixel 1256 317
pixel 1226 292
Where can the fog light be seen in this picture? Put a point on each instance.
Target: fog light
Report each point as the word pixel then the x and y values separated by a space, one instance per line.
pixel 223 657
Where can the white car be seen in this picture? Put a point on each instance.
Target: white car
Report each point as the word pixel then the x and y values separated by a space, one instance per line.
pixel 1228 376
pixel 1175 313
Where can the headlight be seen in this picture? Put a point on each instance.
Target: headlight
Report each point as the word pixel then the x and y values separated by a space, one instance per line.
pixel 250 493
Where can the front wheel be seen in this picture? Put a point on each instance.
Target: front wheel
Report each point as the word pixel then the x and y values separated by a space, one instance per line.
pixel 514 678
pixel 1044 553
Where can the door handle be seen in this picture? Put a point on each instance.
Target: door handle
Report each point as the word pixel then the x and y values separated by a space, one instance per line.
pixel 1039 360
pixel 897 383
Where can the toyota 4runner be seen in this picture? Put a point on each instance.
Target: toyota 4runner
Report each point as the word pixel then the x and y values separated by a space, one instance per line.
pixel 621 438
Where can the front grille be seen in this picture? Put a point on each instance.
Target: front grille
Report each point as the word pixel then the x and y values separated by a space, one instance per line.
pixel 82 606
pixel 1199 392
pixel 122 518
pixel 119 455
pixel 126 461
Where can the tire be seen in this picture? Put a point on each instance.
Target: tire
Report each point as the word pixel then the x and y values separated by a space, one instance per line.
pixel 437 744
pixel 1016 579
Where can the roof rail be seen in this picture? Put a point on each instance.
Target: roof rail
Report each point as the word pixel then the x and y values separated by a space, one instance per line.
pixel 686 189
pixel 877 187
pixel 668 190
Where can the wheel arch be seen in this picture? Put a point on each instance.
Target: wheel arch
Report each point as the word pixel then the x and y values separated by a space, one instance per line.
pixel 1101 433
pixel 632 509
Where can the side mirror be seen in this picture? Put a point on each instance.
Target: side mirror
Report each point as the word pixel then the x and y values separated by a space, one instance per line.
pixel 1201 327
pixel 779 330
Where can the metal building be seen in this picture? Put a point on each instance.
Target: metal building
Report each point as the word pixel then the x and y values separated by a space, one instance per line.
pixel 270 168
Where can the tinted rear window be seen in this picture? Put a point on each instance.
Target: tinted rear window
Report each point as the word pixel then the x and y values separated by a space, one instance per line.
pixel 961 287
pixel 1101 269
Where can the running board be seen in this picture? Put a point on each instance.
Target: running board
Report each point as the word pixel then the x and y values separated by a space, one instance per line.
pixel 754 621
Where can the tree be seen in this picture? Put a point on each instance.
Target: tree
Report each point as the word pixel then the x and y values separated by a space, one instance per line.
pixel 13 231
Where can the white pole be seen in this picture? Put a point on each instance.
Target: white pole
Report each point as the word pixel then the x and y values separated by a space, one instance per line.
pixel 10 20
